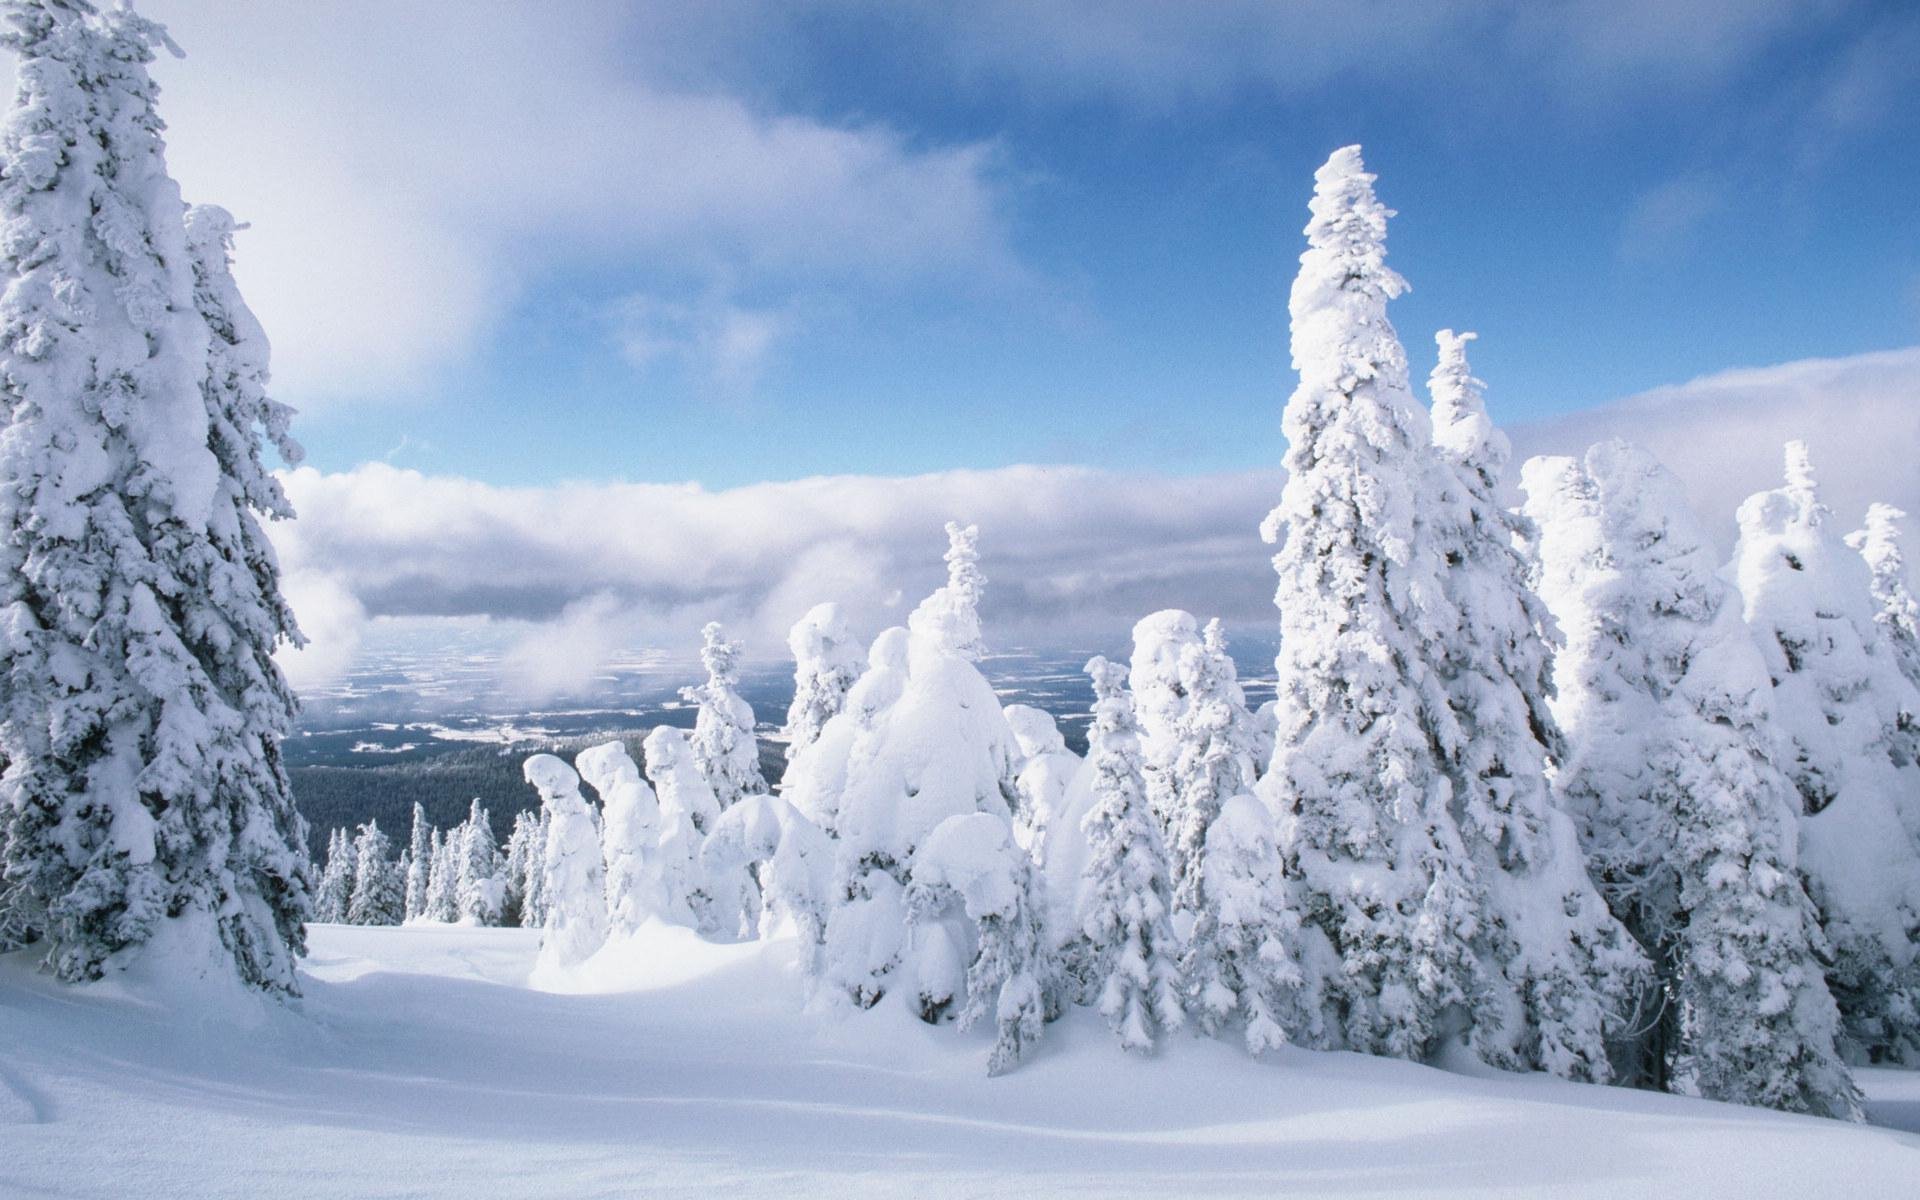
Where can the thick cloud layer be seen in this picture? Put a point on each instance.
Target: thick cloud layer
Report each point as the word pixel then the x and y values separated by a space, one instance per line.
pixel 1073 555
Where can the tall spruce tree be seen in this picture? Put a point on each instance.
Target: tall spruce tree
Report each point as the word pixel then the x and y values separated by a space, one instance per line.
pixel 1360 787
pixel 419 863
pixel 1671 777
pixel 1899 613
pixel 1558 974
pixel 826 662
pixel 1851 724
pixel 139 600
pixel 1124 907
pixel 723 743
pixel 479 891
pixel 379 894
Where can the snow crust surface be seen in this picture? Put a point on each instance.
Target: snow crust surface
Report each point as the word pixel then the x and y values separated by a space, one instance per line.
pixel 421 1064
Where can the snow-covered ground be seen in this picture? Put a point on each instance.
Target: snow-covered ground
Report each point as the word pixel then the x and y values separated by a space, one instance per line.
pixel 423 1063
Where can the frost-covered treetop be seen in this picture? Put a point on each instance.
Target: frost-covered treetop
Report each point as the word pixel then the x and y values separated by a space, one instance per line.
pixel 1899 613
pixel 949 619
pixel 1461 426
pixel 1344 282
pixel 1109 679
pixel 1034 731
pixel 822 635
pixel 719 655
pixel 551 776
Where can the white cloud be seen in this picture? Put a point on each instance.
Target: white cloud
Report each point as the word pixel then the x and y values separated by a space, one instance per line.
pixel 725 346
pixel 409 168
pixel 331 619
pixel 585 572
pixel 605 568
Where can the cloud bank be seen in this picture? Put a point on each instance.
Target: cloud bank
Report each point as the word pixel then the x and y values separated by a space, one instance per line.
pixel 409 170
pixel 1073 555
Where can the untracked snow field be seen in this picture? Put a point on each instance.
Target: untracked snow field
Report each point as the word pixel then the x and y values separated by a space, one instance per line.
pixel 424 1061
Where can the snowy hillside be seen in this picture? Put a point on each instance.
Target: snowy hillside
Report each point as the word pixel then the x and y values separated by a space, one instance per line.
pixel 426 1065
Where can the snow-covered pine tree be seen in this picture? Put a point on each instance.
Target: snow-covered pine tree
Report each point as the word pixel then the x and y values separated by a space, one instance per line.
pixel 970 865
pixel 1899 613
pixel 826 662
pixel 513 907
pixel 794 861
pixel 1851 724
pixel 1042 772
pixel 1357 783
pixel 677 778
pixel 1239 952
pixel 725 907
pixel 1160 642
pixel 921 739
pixel 574 878
pixel 139 600
pixel 534 905
pixel 1670 776
pixel 419 863
pixel 379 895
pixel 1212 760
pixel 723 743
pixel 1242 961
pixel 478 889
pixel 443 877
pixel 1571 972
pixel 336 881
pixel 629 835
pixel 1131 958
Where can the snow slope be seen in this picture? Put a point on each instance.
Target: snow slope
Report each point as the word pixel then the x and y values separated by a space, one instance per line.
pixel 423 1065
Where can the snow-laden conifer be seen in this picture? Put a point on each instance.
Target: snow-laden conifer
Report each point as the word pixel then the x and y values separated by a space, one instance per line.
pixel 971 867
pixel 723 744
pixel 1160 642
pixel 520 852
pixel 726 906
pixel 336 880
pixel 533 904
pixel 1212 761
pixel 921 739
pixel 794 861
pixel 419 863
pixel 826 662
pixel 573 878
pixel 443 876
pixel 141 713
pixel 1242 961
pixel 478 889
pixel 1042 772
pixel 1556 974
pixel 379 895
pixel 629 835
pixel 1124 904
pixel 1671 777
pixel 1850 721
pixel 1899 613
pixel 1357 780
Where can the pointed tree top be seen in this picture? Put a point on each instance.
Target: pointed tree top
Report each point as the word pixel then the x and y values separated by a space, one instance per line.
pixel 1460 422
pixel 1214 637
pixel 949 619
pixel 1109 678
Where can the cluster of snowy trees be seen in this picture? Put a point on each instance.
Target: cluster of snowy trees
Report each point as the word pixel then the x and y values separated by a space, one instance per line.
pixel 142 797
pixel 1551 786
pixel 456 875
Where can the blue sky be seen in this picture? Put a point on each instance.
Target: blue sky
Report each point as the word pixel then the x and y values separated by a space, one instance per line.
pixel 1083 221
